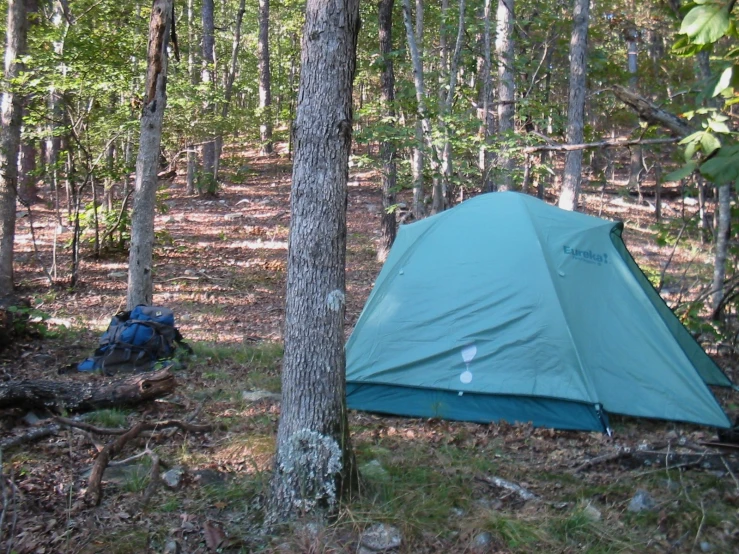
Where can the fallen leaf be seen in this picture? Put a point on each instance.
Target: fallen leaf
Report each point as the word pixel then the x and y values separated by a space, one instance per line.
pixel 214 536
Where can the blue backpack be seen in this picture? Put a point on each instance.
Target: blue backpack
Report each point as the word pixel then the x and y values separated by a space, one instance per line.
pixel 136 341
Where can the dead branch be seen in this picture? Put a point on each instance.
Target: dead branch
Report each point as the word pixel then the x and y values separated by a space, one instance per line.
pixel 607 143
pixel 94 490
pixel 79 397
pixel 32 435
pixel 88 427
pixel 603 459
pixel 153 479
pixel 652 113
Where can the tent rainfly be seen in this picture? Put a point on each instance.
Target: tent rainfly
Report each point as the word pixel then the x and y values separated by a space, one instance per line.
pixel 506 308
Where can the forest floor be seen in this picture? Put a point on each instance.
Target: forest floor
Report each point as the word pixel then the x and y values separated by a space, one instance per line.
pixel 220 264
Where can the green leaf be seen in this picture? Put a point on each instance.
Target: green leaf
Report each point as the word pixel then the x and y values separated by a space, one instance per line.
pixel 695 137
pixel 681 173
pixel 718 126
pixel 709 143
pixel 724 167
pixel 706 24
pixel 690 150
pixel 723 81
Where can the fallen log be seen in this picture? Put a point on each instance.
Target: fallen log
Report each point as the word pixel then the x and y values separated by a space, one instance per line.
pixel 652 113
pixel 72 396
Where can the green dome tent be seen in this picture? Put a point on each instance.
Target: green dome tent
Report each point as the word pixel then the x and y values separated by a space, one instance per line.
pixel 507 308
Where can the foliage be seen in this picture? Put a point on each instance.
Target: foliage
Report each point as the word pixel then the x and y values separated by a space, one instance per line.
pixel 709 26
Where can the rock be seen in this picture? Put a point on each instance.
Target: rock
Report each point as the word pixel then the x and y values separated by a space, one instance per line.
pixel 381 538
pixel 592 513
pixel 118 274
pixel 458 512
pixel 482 541
pixel 374 470
pixel 231 217
pixel 706 546
pixel 641 501
pixel 257 395
pixel 173 477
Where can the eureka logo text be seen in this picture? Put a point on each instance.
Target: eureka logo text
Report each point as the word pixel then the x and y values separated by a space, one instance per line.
pixel 586 255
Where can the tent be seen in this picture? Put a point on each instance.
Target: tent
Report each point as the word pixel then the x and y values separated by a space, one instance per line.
pixel 507 308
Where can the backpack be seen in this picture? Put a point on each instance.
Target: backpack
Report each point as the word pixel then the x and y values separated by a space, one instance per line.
pixel 136 341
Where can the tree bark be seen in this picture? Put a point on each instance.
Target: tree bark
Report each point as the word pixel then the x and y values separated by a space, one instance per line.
pixel 314 464
pixel 570 192
pixel 651 113
pixel 506 89
pixel 417 157
pixel 140 261
pixel 10 135
pixel 265 84
pixel 73 396
pixel 631 36
pixel 722 247
pixel 387 148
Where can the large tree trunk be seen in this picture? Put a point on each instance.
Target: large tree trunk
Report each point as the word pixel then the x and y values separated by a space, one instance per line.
pixel 73 396
pixel 265 85
pixel 387 148
pixel 10 135
pixel 140 261
pixel 314 465
pixel 506 89
pixel 570 192
pixel 209 176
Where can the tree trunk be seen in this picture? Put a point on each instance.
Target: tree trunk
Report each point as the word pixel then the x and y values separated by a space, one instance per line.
pixel 486 117
pixel 314 464
pixel 10 135
pixel 192 158
pixel 506 89
pixel 209 176
pixel 140 261
pixel 73 396
pixel 417 157
pixel 631 36
pixel 568 197
pixel 265 85
pixel 387 148
pixel 722 247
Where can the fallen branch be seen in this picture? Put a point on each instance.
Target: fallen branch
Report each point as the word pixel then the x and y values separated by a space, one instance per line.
pixel 94 489
pixel 652 113
pixel 602 459
pixel 608 143
pixel 74 396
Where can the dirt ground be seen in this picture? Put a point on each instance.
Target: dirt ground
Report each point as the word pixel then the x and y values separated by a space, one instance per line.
pixel 220 264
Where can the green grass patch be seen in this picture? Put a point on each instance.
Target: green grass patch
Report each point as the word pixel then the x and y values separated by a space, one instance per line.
pixel 113 417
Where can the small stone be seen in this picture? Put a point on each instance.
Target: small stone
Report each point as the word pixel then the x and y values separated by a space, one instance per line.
pixel 381 538
pixel 231 217
pixel 706 546
pixel 482 541
pixel 457 512
pixel 641 501
pixel 173 477
pixel 31 419
pixel 118 274
pixel 172 547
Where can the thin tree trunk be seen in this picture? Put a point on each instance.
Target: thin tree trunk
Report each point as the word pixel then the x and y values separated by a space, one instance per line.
pixel 209 147
pixel 231 75
pixel 722 247
pixel 417 157
pixel 506 89
pixel 314 464
pixel 570 192
pixel 140 286
pixel 387 148
pixel 631 36
pixel 10 135
pixel 192 158
pixel 265 85
pixel 486 118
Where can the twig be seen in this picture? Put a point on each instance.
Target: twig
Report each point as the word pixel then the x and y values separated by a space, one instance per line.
pixel 608 143
pixel 700 527
pixel 603 459
pixel 88 427
pixel 34 434
pixel 736 482
pixel 94 491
